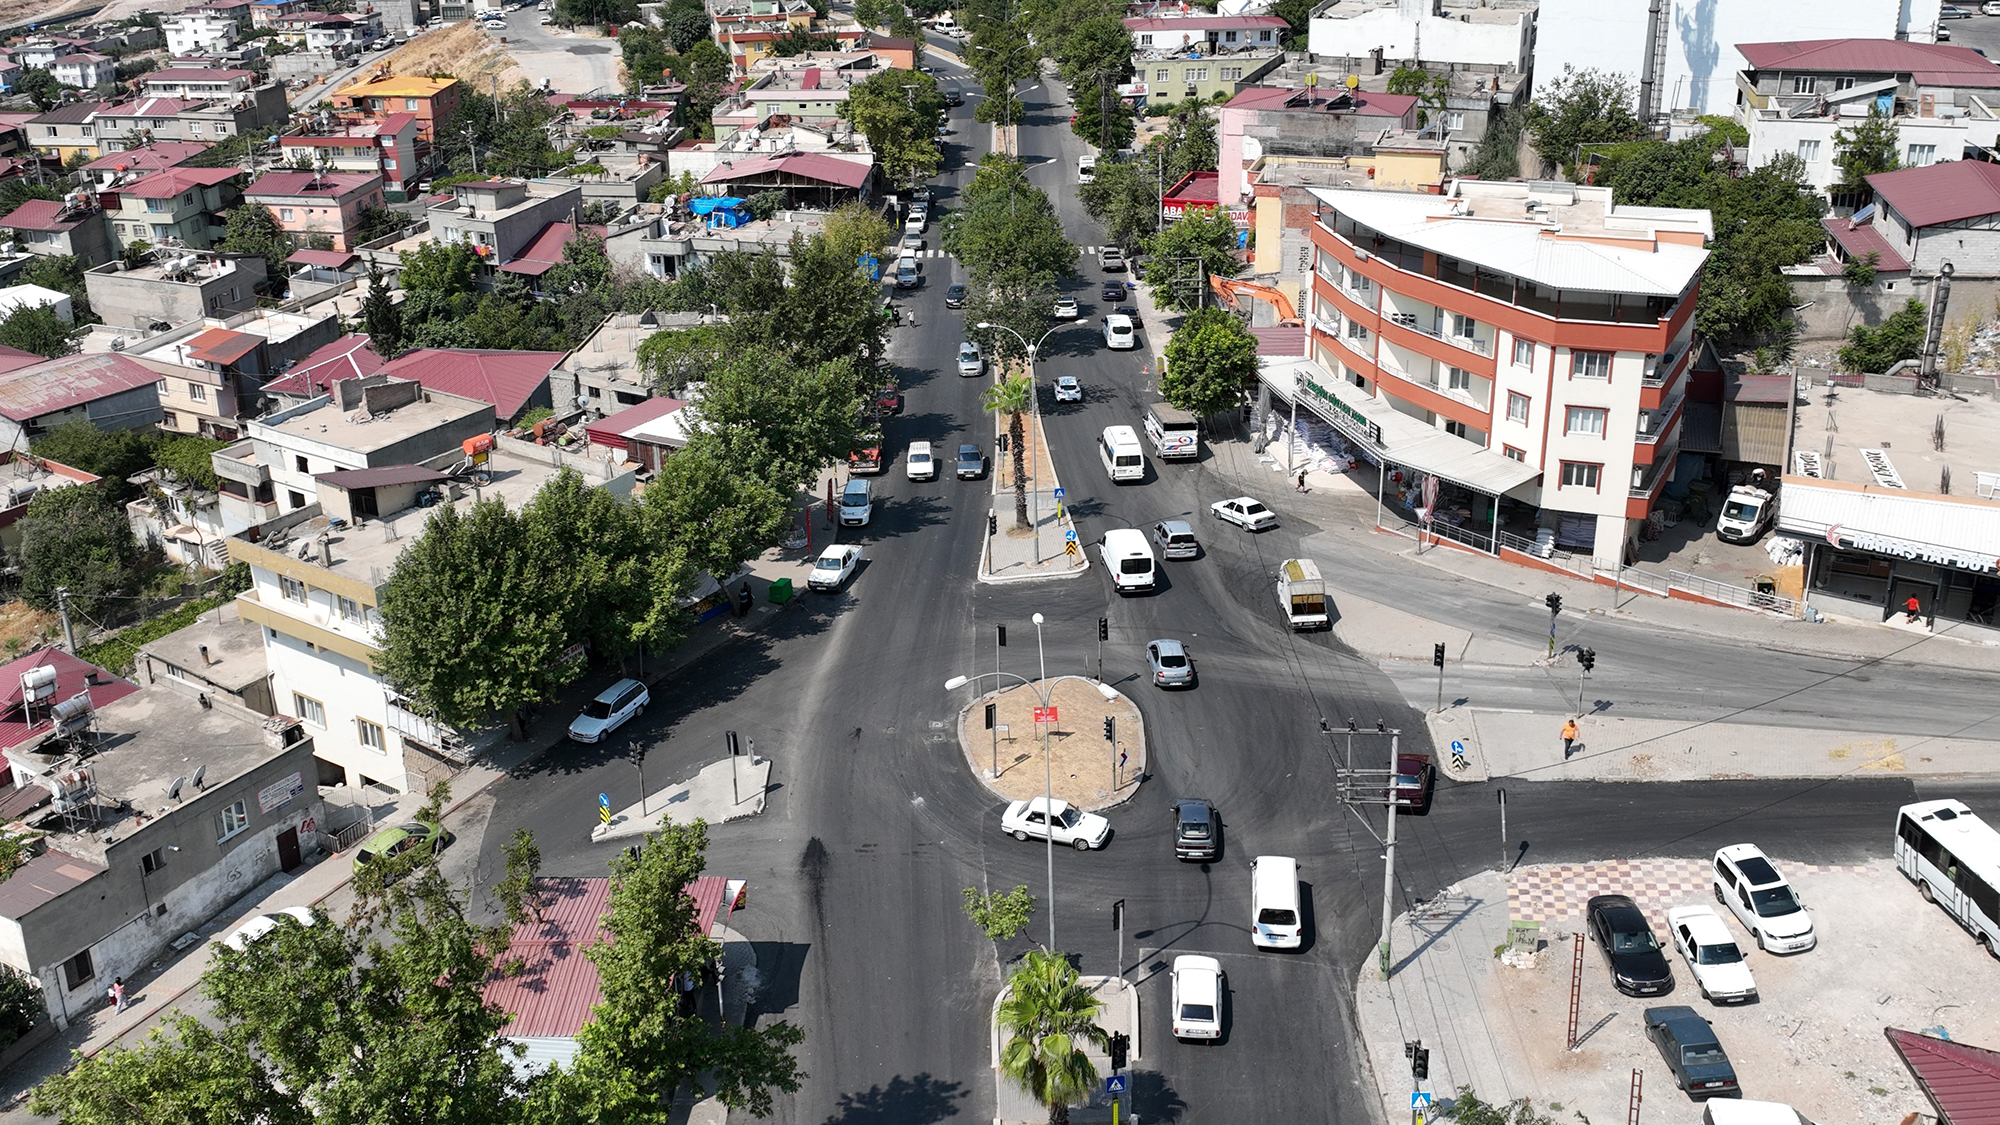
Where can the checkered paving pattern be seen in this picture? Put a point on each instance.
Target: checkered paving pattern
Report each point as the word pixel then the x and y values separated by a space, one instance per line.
pixel 1558 892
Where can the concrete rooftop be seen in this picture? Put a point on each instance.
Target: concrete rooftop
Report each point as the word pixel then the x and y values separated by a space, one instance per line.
pixel 328 424
pixel 235 649
pixel 1901 427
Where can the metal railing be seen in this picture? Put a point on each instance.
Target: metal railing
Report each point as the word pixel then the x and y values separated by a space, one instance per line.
pixel 1469 343
pixel 1481 541
pixel 1553 555
pixel 1632 577
pixel 1738 596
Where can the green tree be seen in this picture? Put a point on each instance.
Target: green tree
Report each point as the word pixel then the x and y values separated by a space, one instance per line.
pixel 20 189
pixel 1012 297
pixel 189 458
pixel 852 230
pixel 1900 336
pixel 41 330
pixel 1004 221
pixel 830 310
pixel 1429 87
pixel 673 358
pixel 898 111
pixel 645 50
pixel 1581 107
pixel 713 507
pixel 795 42
pixel 639 1050
pixel 1103 119
pixel 1050 1018
pixel 1860 272
pixel 706 71
pixel 1498 155
pixel 381 318
pixel 570 13
pixel 1864 149
pixel 1012 397
pixel 687 23
pixel 1002 915
pixel 807 415
pixel 1189 144
pixel 1202 235
pixel 64 274
pixel 77 539
pixel 1124 199
pixel 1209 360
pixel 20 1005
pixel 181 1073
pixel 41 86
pixel 251 229
pixel 1297 15
pixel 600 578
pixel 520 893
pixel 112 455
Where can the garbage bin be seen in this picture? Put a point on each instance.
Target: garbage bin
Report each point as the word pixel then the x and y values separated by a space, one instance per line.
pixel 781 591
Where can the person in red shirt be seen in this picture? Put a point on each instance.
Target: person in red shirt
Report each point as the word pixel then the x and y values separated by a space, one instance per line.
pixel 1912 609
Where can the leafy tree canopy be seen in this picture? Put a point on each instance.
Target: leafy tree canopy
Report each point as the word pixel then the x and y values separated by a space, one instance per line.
pixel 898 111
pixel 1900 336
pixel 1202 235
pixel 188 459
pixel 251 229
pixel 76 538
pixel 1866 148
pixel 1124 199
pixel 1209 360
pixel 41 330
pixel 1581 107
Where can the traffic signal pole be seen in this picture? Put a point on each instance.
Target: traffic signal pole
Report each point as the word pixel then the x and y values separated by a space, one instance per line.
pixel 1555 604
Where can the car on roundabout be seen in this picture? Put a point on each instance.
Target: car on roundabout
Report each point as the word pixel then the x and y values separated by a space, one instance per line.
pixel 1197 997
pixel 1043 818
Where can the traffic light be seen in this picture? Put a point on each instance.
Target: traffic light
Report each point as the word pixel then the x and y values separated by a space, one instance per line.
pixel 1001 441
pixel 993 528
pixel 991 710
pixel 1555 602
pixel 1587 657
pixel 1104 628
pixel 999 631
pixel 1437 654
pixel 1420 1063
pixel 1120 1043
pixel 1110 728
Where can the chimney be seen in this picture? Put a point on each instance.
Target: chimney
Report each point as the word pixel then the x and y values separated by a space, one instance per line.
pixel 205 661
pixel 326 552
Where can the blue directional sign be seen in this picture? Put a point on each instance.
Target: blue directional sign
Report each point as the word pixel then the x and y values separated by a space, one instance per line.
pixel 603 802
pixel 1070 536
pixel 1420 1099
pixel 1115 1084
pixel 872 265
pixel 1060 492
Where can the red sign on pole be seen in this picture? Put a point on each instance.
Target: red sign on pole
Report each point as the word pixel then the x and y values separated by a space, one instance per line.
pixel 1045 714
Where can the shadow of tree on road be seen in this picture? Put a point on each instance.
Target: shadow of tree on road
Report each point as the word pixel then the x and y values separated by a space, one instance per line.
pixel 904 1101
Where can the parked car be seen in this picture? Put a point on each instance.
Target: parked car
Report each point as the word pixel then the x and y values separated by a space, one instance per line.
pixel 1709 949
pixel 613 708
pixel 1197 829
pixel 954 296
pixel 971 463
pixel 1042 819
pixel 1066 308
pixel 857 504
pixel 1693 1053
pixel 834 567
pixel 1118 333
pixel 1245 513
pixel 970 362
pixel 1749 884
pixel 1197 997
pixel 1619 928
pixel 912 243
pixel 1416 776
pixel 1990 8
pixel 887 401
pixel 263 924
pixel 1953 12
pixel 1170 664
pixel 1068 389
pixel 390 843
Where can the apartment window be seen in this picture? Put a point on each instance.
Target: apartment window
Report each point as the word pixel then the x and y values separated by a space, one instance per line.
pixel 1922 156
pixel 1458 379
pixel 1524 352
pixel 1197 74
pixel 1580 474
pixel 285 214
pixel 78 971
pixel 1585 420
pixel 309 709
pixel 1229 73
pixel 1456 429
pixel 293 589
pixel 1843 83
pixel 1514 454
pixel 230 821
pixel 169 419
pixel 1356 330
pixel 1359 282
pixel 152 861
pixel 1808 151
pixel 161 386
pixel 194 128
pixel 297 499
pixel 1162 74
pixel 1145 40
pixel 1264 36
pixel 1229 37
pixel 350 610
pixel 1804 84
pixel 1590 365
pixel 299 462
pixel 197 392
pixel 412 103
pixel 1517 407
pixel 1454 121
pixel 1464 326
pixel 371 736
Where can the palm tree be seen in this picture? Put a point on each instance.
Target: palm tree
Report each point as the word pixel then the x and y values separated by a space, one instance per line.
pixel 1012 397
pixel 1051 1016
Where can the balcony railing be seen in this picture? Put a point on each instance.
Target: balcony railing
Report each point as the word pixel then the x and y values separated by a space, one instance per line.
pixel 1469 343
pixel 1647 478
pixel 1658 421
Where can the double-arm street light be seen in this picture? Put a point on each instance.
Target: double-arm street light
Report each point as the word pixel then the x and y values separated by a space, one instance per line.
pixel 1006 110
pixel 1035 393
pixel 1042 689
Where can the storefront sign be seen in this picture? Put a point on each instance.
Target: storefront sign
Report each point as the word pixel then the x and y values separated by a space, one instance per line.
pixel 1360 420
pixel 279 793
pixel 1903 548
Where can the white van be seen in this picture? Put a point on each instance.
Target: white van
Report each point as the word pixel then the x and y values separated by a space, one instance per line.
pixel 1129 559
pixel 1118 448
pixel 1086 168
pixel 1274 903
pixel 1739 1111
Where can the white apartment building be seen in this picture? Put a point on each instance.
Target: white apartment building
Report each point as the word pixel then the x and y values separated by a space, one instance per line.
pixel 197 33
pixel 1485 35
pixel 1526 340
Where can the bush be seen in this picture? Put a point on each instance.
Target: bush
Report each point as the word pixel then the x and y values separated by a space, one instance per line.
pixel 20 1005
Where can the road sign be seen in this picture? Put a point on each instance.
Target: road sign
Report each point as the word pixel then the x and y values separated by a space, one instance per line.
pixel 1420 1099
pixel 603 801
pixel 1070 535
pixel 1069 549
pixel 1045 714
pixel 1060 493
pixel 1115 1084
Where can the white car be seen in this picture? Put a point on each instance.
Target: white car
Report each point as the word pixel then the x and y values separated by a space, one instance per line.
pixel 1248 514
pixel 1066 308
pixel 264 923
pixel 1068 389
pixel 857 504
pixel 920 463
pixel 1118 333
pixel 1750 886
pixel 834 567
pixel 1990 8
pixel 613 707
pixel 970 362
pixel 1711 954
pixel 1197 997
pixel 494 25
pixel 1044 819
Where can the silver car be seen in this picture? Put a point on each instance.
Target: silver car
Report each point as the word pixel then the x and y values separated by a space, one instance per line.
pixel 1175 539
pixel 970 362
pixel 1171 666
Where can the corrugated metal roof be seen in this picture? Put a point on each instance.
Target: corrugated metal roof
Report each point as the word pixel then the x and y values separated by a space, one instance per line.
pixel 221 345
pixel 40 214
pixel 1202 23
pixel 610 432
pixel 506 379
pixel 1962 525
pixel 1280 340
pixel 1931 64
pixel 1861 240
pixel 69 382
pixel 349 357
pixel 330 259
pixel 1941 193
pixel 72 678
pixel 1961 1080
pixel 386 474
pixel 806 165
pixel 40 880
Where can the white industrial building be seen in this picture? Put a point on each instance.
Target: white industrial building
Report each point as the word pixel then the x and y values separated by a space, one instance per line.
pixel 1482 34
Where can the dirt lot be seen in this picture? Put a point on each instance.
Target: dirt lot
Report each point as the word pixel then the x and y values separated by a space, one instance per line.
pixel 1082 760
pixel 1814 1038
pixel 461 49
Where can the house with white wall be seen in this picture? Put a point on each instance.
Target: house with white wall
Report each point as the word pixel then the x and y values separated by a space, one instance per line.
pixel 1497 35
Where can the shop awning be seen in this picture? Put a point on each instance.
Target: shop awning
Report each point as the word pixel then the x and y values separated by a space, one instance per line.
pixel 1391 435
pixel 1955 531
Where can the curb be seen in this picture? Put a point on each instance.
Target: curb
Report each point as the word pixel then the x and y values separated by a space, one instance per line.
pixel 1145 754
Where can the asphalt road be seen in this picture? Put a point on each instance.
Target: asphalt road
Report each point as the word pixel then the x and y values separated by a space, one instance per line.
pixel 856 867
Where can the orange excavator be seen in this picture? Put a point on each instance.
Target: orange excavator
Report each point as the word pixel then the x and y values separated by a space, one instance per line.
pixel 1229 288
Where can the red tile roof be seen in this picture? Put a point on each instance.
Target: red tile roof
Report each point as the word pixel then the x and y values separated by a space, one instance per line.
pixel 1931 64
pixel 221 345
pixel 72 678
pixel 508 380
pixel 349 357
pixel 1941 193
pixel 1962 1081
pixel 173 181
pixel 545 250
pixel 329 259
pixel 330 185
pixel 150 107
pixel 610 432
pixel 1861 240
pixel 806 165
pixel 55 385
pixel 152 157
pixel 40 214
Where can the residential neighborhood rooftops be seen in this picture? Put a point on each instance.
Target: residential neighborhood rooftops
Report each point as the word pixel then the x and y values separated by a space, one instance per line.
pixel 63 384
pixel 397 86
pixel 221 345
pixel 1202 23
pixel 1941 193
pixel 1962 1081
pixel 1858 240
pixel 46 215
pixel 151 107
pixel 174 181
pixel 219 646
pixel 148 158
pixel 1931 64
pixel 365 435
pixel 328 259
pixel 326 184
pixel 349 357
pixel 505 379
pixel 197 74
pixel 544 251
pixel 75 113
pixel 73 677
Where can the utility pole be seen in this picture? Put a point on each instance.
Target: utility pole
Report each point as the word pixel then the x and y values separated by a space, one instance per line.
pixel 1389 856
pixel 1372 787
pixel 472 148
pixel 62 607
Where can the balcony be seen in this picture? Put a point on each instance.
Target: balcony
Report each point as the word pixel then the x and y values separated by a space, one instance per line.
pixel 1647 479
pixel 1656 423
pixel 239 463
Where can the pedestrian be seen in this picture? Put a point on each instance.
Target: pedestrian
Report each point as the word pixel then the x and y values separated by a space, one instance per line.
pixel 118 994
pixel 1911 608
pixel 1301 483
pixel 1569 737
pixel 744 600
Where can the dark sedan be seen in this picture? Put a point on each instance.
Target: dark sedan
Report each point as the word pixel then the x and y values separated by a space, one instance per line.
pixel 1197 830
pixel 1112 291
pixel 1638 967
pixel 1701 1068
pixel 954 297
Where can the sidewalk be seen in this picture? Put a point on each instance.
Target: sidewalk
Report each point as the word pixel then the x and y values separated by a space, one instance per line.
pixel 1014 554
pixel 1012 1105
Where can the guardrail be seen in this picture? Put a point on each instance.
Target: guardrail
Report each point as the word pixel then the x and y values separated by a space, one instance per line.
pixel 1555 556
pixel 1739 596
pixel 1642 580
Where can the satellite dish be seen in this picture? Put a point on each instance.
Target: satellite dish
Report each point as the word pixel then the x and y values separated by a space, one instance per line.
pixel 198 775
pixel 174 790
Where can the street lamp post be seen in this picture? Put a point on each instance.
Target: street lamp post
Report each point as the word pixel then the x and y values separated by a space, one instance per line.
pixel 1042 690
pixel 1006 109
pixel 1035 397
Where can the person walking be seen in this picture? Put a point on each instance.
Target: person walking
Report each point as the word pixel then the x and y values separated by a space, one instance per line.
pixel 744 600
pixel 1301 483
pixel 118 994
pixel 1912 608
pixel 1568 737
